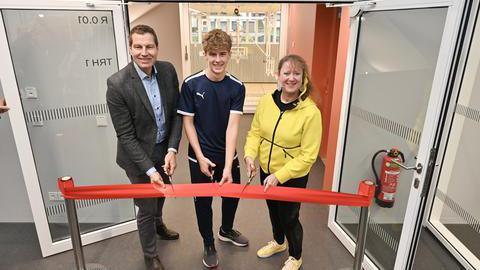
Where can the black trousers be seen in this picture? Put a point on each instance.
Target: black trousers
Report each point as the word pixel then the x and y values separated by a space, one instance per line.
pixel 149 214
pixel 203 205
pixel 285 217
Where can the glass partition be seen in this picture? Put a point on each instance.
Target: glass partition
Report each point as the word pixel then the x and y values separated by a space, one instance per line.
pixel 255 32
pixel 61 60
pixel 393 73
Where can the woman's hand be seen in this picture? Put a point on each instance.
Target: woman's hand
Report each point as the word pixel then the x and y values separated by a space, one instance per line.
pixel 270 181
pixel 251 169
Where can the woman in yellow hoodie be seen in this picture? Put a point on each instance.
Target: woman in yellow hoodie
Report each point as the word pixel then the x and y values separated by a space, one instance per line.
pixel 285 134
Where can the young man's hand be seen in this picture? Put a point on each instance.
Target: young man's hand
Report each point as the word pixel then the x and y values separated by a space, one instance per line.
pixel 226 177
pixel 206 166
pixel 156 178
pixel 270 181
pixel 170 163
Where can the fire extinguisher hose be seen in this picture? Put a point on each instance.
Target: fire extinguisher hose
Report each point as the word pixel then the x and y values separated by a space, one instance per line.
pixel 377 178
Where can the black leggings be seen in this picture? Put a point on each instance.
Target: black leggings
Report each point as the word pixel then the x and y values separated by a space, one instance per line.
pixel 203 205
pixel 285 217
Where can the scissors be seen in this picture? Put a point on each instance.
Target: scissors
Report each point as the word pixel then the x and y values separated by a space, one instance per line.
pixel 248 182
pixel 211 176
pixel 169 178
pixel 171 182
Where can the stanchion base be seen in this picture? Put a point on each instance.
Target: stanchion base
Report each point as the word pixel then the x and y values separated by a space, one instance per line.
pixel 95 266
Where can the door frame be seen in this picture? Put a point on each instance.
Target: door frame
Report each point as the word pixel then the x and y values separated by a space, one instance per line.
pixel 19 127
pixel 438 230
pixel 412 220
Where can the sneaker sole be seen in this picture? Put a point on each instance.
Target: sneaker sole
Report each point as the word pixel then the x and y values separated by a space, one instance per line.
pixel 268 256
pixel 225 239
pixel 209 266
pixel 167 238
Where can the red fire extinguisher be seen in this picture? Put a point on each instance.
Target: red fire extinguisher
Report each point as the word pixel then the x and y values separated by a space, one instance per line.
pixel 387 183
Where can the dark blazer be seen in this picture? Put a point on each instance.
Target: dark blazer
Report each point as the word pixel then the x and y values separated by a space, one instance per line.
pixel 133 117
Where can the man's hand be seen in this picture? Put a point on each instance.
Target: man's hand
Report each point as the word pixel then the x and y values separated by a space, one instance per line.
pixel 3 106
pixel 226 177
pixel 206 166
pixel 156 178
pixel 170 163
pixel 251 169
pixel 270 181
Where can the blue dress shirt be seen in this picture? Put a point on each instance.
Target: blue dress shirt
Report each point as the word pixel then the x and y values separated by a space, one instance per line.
pixel 153 92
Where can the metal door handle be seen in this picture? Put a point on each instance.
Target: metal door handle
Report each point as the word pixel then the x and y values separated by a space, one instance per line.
pixel 417 168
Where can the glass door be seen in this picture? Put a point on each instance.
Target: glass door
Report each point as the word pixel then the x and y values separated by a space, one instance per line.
pixel 57 60
pixel 454 216
pixel 399 57
pixel 258 37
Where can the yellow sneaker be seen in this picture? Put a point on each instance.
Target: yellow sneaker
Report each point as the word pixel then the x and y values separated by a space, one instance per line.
pixel 271 248
pixel 292 264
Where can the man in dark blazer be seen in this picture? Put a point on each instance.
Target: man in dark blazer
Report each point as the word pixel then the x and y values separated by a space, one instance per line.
pixel 142 99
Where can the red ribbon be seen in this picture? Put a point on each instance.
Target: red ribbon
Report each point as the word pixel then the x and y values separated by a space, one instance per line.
pixel 363 198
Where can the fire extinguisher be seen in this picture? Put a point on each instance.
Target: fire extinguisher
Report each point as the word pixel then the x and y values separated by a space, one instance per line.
pixel 389 174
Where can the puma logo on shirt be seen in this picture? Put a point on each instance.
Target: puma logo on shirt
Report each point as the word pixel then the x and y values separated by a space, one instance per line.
pixel 198 94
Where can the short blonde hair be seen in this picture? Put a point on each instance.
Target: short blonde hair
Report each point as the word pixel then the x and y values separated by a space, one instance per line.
pixel 216 40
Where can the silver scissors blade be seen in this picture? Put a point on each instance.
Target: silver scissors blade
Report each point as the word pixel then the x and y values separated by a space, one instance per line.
pixel 248 183
pixel 171 183
pixel 211 176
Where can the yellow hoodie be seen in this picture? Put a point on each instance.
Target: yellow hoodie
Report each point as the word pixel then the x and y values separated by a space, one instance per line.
pixel 296 135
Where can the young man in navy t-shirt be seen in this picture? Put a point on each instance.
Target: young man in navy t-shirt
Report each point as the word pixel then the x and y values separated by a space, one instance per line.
pixel 211 102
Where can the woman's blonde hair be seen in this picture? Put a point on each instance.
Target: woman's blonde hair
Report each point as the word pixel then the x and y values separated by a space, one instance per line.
pixel 299 62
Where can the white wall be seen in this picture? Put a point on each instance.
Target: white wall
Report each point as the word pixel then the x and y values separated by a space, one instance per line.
pixel 14 204
pixel 165 20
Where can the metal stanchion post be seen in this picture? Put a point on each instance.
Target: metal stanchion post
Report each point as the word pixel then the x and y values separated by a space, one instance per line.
pixel 75 234
pixel 361 238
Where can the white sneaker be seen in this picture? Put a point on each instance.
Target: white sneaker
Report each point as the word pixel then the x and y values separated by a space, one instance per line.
pixel 292 264
pixel 271 248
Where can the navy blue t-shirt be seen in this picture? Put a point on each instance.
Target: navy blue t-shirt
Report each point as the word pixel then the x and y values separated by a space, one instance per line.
pixel 211 103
